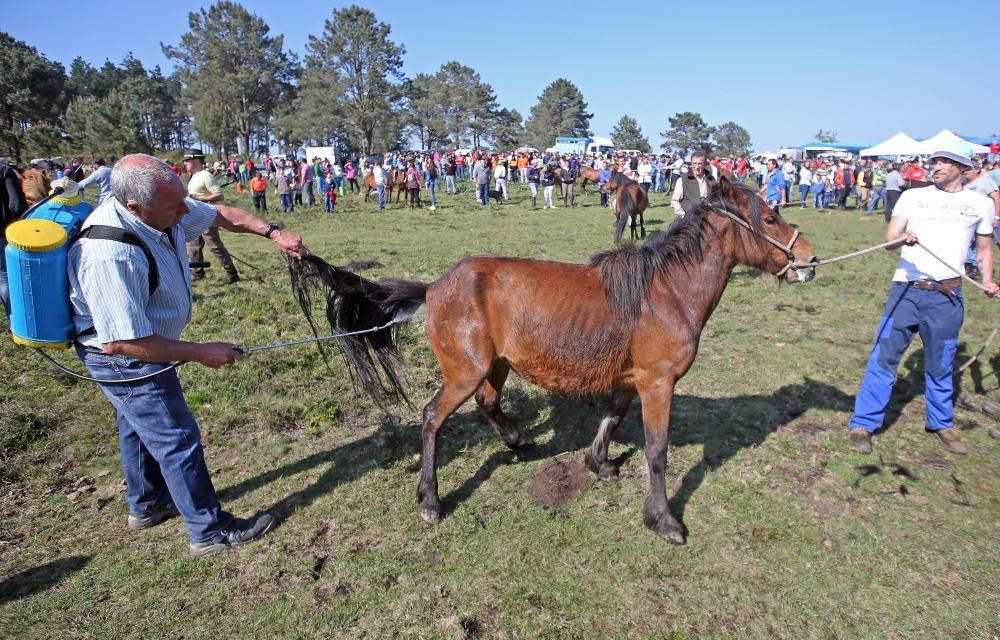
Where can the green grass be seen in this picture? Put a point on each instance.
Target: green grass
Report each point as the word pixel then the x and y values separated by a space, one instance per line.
pixel 790 534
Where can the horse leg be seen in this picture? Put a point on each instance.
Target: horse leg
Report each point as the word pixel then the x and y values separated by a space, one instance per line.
pixel 642 224
pixel 488 399
pixel 596 457
pixel 448 398
pixel 632 227
pixel 656 399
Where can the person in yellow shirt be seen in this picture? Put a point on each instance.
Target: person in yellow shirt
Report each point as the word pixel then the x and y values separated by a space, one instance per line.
pixel 204 186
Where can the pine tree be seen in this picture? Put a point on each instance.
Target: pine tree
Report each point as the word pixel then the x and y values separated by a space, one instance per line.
pixel 730 139
pixel 32 96
pixel 361 63
pixel 628 135
pixel 560 111
pixel 232 69
pixel 687 132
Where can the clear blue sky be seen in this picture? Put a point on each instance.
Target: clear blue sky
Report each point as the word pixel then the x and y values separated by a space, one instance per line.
pixel 782 70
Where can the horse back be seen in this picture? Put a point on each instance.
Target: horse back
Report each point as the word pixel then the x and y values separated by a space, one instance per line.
pixel 549 320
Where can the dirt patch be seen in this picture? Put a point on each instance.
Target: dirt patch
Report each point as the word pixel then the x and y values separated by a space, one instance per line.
pixel 558 482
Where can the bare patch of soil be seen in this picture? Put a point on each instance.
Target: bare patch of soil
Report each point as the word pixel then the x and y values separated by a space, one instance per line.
pixel 558 482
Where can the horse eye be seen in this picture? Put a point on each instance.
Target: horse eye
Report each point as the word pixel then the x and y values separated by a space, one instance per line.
pixel 770 219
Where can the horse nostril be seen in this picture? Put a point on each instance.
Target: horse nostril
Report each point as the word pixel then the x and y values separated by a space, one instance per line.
pixel 814 260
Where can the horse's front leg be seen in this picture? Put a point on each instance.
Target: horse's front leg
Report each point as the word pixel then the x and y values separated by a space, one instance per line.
pixel 656 399
pixel 596 457
pixel 642 224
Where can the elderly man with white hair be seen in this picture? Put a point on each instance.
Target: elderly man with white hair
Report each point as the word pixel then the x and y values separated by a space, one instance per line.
pixel 131 301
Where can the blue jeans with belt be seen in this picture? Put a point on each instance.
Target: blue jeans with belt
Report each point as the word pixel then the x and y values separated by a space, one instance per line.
pixel 937 317
pixel 160 443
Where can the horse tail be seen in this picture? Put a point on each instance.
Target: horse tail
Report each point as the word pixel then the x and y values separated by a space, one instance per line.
pixel 378 310
pixel 627 208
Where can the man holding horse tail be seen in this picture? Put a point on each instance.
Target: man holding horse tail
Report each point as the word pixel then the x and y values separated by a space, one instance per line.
pixel 926 296
pixel 131 302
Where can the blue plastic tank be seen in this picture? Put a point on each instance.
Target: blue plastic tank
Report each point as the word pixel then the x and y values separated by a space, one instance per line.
pixel 39 289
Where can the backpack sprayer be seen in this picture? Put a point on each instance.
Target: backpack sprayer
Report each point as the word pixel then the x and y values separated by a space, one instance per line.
pixel 36 257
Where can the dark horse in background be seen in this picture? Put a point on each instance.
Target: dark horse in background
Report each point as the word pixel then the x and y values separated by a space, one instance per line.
pixel 628 323
pixel 630 203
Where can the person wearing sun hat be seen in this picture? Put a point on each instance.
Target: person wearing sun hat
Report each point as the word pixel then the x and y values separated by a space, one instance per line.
pixel 926 296
pixel 203 185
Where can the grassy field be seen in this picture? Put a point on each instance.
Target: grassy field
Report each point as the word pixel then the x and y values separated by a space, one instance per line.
pixel 791 533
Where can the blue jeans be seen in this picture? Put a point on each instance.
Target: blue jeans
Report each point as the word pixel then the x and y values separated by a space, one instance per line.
pixel 483 193
pixel 449 184
pixel 4 288
pixel 286 202
pixel 460 170
pixel 430 187
pixel 380 188
pixel 937 317
pixel 803 194
pixel 160 443
pixel 878 194
pixel 817 197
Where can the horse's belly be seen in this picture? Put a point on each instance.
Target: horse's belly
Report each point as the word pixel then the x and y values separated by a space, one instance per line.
pixel 563 372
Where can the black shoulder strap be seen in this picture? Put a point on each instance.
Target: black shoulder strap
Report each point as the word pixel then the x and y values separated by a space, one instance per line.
pixel 104 232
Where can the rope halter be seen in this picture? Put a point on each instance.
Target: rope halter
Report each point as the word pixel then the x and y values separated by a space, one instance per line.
pixel 785 248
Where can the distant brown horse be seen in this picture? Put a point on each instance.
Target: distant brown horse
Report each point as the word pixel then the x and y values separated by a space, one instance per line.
pixel 588 174
pixel 395 180
pixel 628 323
pixel 630 203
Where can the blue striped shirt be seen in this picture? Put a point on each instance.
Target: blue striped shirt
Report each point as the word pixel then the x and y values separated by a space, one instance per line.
pixel 109 280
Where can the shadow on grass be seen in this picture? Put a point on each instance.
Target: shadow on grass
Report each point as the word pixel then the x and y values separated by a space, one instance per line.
pixel 723 426
pixel 40 578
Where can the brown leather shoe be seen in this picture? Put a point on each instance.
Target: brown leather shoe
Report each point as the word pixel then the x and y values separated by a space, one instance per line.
pixel 861 439
pixel 949 438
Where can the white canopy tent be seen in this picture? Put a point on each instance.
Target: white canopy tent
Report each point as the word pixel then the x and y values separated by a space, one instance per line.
pixel 942 139
pixel 898 145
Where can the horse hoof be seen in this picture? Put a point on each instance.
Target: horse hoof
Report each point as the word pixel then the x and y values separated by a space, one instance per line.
pixel 673 537
pixel 430 516
pixel 523 444
pixel 607 472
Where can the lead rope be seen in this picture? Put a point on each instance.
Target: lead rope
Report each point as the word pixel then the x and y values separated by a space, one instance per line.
pixel 243 350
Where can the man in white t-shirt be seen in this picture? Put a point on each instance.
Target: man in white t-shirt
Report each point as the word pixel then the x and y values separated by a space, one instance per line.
pixel 926 295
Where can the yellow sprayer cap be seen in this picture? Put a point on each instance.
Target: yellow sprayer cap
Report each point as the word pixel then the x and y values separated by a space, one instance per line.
pixel 36 236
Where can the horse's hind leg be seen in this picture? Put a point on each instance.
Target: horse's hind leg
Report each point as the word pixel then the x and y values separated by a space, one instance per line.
pixel 596 457
pixel 642 224
pixel 488 399
pixel 448 398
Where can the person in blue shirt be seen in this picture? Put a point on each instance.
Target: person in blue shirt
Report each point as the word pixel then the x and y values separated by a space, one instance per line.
pixel 775 189
pixel 101 176
pixel 604 176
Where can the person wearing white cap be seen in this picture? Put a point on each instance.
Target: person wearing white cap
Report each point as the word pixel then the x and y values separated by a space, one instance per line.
pixel 926 295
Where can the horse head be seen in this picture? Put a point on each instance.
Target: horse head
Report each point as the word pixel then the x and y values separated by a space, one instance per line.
pixel 616 180
pixel 764 238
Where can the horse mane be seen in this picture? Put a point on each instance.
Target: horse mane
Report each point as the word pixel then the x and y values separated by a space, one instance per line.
pixel 627 271
pixel 35 185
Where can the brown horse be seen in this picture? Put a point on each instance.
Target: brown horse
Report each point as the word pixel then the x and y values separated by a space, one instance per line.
pixel 35 185
pixel 588 174
pixel 627 323
pixel 395 180
pixel 630 203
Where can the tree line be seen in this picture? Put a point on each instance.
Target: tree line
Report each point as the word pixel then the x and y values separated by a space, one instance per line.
pixel 237 90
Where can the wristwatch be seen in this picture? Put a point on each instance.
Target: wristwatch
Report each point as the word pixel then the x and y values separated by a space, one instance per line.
pixel 271 228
